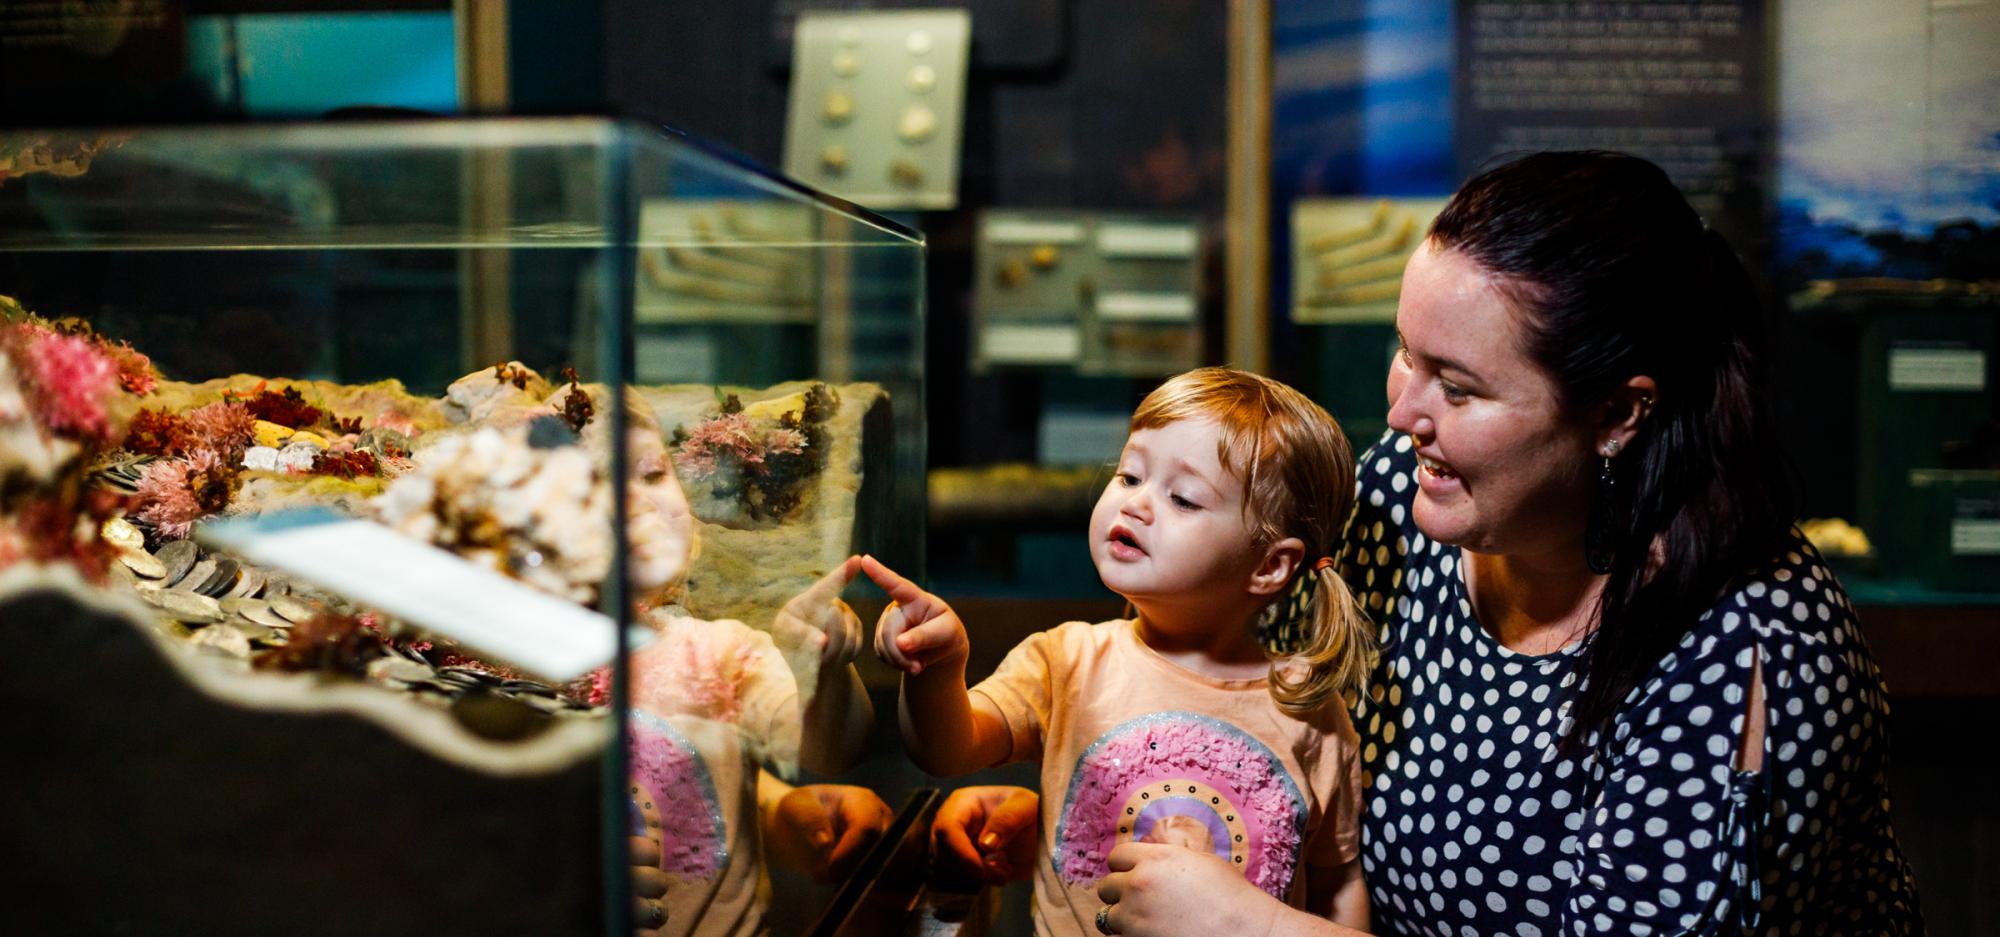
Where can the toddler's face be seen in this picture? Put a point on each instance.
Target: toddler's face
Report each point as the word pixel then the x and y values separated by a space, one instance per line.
pixel 1171 523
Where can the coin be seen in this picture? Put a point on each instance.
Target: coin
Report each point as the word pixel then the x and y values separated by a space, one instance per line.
pixel 179 557
pixel 222 580
pixel 262 613
pixel 290 608
pixel 919 42
pixel 906 173
pixel 846 64
pixel 922 78
pixel 143 563
pixel 397 668
pixel 225 639
pixel 193 609
pixel 120 533
pixel 196 576
pixel 471 674
pixel 254 631
pixel 249 582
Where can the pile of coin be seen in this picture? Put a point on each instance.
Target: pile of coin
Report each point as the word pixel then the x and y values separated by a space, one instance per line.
pixel 235 608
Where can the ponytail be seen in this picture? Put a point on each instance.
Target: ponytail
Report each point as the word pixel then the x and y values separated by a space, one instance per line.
pixel 1336 649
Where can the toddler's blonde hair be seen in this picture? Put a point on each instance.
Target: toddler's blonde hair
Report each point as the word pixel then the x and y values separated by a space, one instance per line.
pixel 1298 481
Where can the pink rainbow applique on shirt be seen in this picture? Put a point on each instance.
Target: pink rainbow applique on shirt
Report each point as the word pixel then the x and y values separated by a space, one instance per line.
pixel 1186 779
pixel 693 840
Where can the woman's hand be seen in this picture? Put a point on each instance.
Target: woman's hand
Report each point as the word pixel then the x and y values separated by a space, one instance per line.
pixel 987 834
pixel 918 630
pixel 1156 890
pixel 824 829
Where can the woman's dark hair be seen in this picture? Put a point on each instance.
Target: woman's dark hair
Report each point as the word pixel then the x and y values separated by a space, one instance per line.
pixel 1614 276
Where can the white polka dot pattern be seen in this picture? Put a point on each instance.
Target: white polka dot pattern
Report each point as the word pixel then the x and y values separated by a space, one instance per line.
pixel 1476 823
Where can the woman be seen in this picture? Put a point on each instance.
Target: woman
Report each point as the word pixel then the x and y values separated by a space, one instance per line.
pixel 1618 692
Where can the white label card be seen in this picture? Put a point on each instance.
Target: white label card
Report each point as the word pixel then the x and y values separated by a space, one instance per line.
pixel 1018 231
pixel 1975 537
pixel 1961 369
pixel 1146 307
pixel 374 566
pixel 1147 240
pixel 1031 344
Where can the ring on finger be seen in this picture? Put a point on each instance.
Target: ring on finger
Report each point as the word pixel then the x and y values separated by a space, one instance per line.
pixel 1104 920
pixel 656 915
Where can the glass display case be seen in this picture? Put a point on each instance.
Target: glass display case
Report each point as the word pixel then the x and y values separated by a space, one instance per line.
pixel 361 483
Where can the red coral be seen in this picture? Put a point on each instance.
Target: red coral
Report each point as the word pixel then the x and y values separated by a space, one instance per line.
pixel 285 409
pixel 326 641
pixel 157 432
pixel 56 529
pixel 355 464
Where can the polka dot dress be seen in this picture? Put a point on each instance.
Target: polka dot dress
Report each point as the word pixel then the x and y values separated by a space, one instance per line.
pixel 1473 822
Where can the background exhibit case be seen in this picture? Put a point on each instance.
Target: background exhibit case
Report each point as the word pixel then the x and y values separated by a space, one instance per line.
pixel 222 677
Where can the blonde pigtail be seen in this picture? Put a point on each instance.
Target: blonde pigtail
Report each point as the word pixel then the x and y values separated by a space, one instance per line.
pixel 1335 654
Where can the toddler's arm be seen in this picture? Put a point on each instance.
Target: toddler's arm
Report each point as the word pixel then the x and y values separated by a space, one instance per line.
pixel 839 715
pixel 947 730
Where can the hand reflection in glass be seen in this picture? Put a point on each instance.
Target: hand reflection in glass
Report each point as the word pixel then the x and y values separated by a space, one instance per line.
pixel 987 834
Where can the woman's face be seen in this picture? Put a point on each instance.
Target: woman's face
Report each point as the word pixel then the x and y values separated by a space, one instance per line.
pixel 1502 469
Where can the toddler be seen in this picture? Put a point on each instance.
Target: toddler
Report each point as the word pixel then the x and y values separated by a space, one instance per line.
pixel 1173 725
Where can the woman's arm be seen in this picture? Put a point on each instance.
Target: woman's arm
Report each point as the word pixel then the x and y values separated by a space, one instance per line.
pixel 1156 890
pixel 1339 893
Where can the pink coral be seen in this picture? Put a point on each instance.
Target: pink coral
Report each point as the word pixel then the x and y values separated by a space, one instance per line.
pixel 73 380
pixel 392 419
pixel 716 441
pixel 785 442
pixel 224 428
pixel 174 493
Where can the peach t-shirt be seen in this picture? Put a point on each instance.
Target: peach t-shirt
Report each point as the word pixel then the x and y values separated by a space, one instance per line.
pixel 1133 746
pixel 711 702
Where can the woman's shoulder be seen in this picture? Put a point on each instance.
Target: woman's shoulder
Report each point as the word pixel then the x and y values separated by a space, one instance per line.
pixel 1791 598
pixel 1791 615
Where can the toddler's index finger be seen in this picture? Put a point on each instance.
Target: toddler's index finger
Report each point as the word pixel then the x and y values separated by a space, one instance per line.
pixel 836 579
pixel 902 590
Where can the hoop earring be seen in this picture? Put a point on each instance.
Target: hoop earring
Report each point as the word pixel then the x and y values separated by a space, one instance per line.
pixel 1600 535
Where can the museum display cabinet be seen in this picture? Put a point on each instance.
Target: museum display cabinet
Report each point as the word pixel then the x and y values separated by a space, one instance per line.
pixel 361 482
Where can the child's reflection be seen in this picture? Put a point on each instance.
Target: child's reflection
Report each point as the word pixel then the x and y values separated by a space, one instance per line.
pixel 714 704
